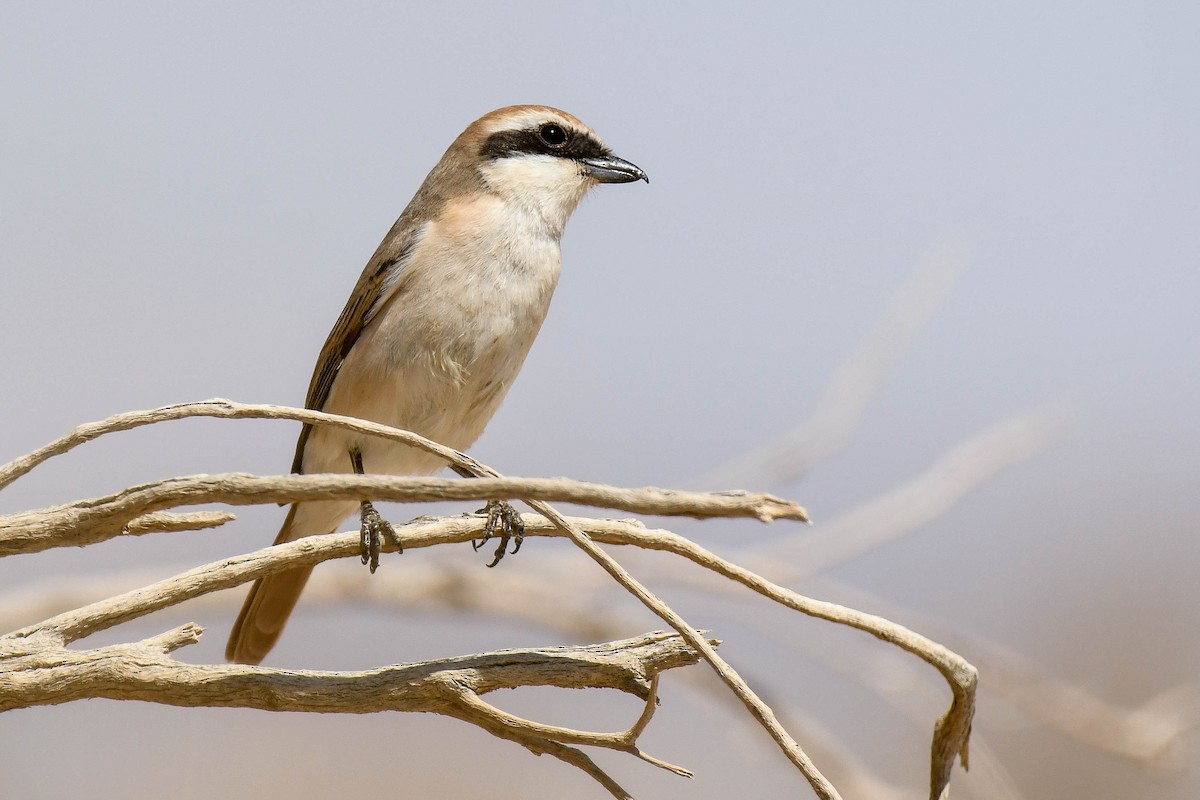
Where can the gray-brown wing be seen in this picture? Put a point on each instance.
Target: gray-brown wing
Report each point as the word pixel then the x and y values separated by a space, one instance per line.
pixel 354 317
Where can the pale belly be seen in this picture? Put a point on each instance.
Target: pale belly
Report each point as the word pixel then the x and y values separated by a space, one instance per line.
pixel 434 367
pixel 433 360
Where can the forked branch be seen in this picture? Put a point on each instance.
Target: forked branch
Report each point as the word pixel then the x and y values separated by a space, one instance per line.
pixel 146 508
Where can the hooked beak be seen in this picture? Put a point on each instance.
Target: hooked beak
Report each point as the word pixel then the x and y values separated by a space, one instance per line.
pixel 610 169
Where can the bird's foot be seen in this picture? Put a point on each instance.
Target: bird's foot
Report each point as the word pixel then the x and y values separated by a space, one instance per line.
pixel 503 516
pixel 371 535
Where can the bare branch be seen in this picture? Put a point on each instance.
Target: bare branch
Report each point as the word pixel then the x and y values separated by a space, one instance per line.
pixel 39 670
pixel 229 572
pixel 952 731
pixel 1149 734
pixel 758 709
pixel 576 758
pixel 141 507
pixel 161 521
pixel 98 519
pixel 425 583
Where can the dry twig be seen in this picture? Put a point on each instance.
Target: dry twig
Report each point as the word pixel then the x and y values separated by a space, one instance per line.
pixel 140 508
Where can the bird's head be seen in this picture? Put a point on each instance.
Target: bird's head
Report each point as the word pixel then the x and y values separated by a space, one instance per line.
pixel 540 158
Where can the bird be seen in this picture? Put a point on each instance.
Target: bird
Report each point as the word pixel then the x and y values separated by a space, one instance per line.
pixel 438 325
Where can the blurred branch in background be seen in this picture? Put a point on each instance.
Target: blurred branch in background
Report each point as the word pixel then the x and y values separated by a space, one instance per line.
pixel 1152 734
pixel 849 392
pixel 917 502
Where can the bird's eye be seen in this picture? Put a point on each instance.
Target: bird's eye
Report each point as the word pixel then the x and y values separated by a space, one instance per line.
pixel 552 134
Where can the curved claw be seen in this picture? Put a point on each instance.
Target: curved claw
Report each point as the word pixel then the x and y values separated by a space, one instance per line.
pixel 503 516
pixel 374 527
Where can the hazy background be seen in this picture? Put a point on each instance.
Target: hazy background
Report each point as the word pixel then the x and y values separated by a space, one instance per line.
pixel 188 193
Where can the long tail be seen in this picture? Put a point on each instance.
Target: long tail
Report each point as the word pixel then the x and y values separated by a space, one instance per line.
pixel 267 607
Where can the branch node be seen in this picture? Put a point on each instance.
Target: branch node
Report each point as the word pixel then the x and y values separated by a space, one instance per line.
pixel 172 640
pixel 163 521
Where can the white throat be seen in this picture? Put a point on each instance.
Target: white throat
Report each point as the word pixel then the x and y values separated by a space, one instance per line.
pixel 547 186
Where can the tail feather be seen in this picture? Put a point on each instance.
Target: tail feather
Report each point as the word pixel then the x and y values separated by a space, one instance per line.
pixel 267 607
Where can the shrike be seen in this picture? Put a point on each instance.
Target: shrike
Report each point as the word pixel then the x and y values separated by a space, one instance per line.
pixel 439 323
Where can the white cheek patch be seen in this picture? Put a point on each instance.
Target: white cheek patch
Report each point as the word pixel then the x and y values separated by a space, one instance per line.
pixel 531 171
pixel 549 185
